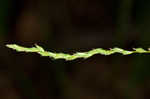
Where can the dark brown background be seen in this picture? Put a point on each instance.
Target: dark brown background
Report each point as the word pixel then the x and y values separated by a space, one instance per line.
pixel 70 26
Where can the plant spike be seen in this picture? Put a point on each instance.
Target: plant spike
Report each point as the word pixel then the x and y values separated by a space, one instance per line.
pixel 38 49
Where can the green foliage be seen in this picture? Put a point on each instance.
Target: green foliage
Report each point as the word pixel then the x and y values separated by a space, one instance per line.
pixel 74 56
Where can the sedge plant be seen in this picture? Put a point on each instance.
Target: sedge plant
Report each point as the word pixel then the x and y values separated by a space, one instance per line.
pixel 68 57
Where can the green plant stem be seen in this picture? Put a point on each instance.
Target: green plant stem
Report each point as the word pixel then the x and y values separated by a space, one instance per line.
pixel 67 57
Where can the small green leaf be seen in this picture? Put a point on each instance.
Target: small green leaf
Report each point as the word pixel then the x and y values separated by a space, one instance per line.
pixel 39 47
pixel 140 50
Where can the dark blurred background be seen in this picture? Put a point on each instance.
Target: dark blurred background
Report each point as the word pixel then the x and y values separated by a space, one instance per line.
pixel 70 26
